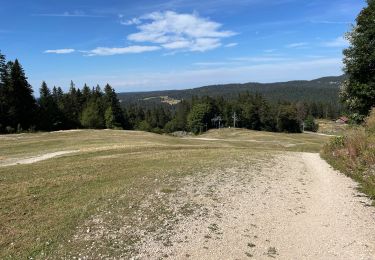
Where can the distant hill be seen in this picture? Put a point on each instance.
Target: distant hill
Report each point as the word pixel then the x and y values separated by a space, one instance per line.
pixel 319 90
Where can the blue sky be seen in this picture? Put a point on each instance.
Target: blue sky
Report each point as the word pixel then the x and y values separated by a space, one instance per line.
pixel 175 44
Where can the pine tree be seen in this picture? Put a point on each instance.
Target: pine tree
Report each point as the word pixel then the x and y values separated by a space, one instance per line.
pixel 199 117
pixel 110 122
pixel 49 116
pixel 358 92
pixel 22 105
pixel 3 87
pixel 287 120
pixel 86 94
pixel 111 101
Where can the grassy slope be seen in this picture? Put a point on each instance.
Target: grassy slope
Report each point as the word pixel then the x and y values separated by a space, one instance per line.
pixel 354 154
pixel 331 127
pixel 42 204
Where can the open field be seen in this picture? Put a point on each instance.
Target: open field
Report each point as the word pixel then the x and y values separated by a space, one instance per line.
pixel 228 194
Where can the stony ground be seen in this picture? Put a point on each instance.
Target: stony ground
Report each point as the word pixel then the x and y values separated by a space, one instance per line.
pixel 284 206
pixel 227 194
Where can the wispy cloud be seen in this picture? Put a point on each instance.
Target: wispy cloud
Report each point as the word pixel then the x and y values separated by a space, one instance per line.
pixel 168 30
pixel 238 61
pixel 339 42
pixel 176 31
pixel 133 21
pixel 213 64
pixel 329 22
pixel 70 14
pixel 230 45
pixel 260 59
pixel 60 51
pixel 105 51
pixel 297 45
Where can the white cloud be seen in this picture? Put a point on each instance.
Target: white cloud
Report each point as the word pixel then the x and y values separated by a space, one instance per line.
pixel 229 45
pixel 169 30
pixel 339 42
pixel 60 51
pixel 205 44
pixel 297 45
pixel 177 45
pixel 179 31
pixel 104 51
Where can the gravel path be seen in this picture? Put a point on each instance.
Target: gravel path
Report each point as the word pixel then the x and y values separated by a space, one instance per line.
pixel 294 207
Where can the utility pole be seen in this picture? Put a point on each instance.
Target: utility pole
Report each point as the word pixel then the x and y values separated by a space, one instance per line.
pixel 235 118
pixel 216 121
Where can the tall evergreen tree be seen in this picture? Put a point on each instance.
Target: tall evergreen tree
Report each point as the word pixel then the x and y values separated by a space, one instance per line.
pixel 287 120
pixel 111 101
pixel 358 91
pixel 199 117
pixel 22 105
pixel 3 87
pixel 49 116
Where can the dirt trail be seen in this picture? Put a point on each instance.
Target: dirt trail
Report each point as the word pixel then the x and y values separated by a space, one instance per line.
pixel 34 159
pixel 295 207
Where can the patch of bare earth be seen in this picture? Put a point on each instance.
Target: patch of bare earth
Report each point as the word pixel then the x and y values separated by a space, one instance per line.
pixel 33 159
pixel 290 206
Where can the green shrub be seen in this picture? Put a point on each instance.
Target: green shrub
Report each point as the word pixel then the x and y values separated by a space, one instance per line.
pixel 337 142
pixel 310 124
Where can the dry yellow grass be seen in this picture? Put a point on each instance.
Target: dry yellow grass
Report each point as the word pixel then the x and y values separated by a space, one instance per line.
pixel 331 127
pixel 42 204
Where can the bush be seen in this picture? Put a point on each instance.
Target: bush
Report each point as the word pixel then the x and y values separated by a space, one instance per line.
pixel 10 130
pixel 171 126
pixel 337 142
pixel 144 126
pixel 310 124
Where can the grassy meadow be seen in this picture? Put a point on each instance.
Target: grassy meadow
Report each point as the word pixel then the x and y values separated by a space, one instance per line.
pixel 44 205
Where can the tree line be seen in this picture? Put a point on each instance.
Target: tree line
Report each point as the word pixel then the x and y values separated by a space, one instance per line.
pixel 98 109
pixel 54 109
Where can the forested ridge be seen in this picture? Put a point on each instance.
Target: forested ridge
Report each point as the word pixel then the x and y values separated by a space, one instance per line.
pixel 323 89
pixel 199 110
